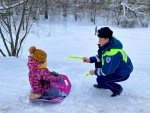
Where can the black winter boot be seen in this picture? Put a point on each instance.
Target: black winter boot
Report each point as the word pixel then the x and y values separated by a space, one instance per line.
pixel 117 93
pixel 97 86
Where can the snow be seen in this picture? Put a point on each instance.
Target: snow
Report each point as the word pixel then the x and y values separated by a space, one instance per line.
pixel 61 41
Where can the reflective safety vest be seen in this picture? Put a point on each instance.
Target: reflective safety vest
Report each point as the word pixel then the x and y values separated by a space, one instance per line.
pixel 112 52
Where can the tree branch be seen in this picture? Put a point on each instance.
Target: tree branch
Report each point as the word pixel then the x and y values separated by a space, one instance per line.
pixel 12 6
pixel 4 41
pixel 2 53
pixel 21 22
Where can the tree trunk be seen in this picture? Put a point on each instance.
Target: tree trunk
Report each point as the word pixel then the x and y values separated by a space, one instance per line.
pixel 46 10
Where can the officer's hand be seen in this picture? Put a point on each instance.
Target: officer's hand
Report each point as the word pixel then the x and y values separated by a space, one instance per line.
pixel 85 59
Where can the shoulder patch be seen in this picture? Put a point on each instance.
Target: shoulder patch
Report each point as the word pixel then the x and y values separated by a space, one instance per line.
pixel 108 59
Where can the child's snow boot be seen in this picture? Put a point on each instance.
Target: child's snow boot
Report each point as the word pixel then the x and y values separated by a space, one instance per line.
pixel 34 96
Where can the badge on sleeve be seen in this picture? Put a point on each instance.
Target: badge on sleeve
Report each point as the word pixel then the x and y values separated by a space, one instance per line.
pixel 108 59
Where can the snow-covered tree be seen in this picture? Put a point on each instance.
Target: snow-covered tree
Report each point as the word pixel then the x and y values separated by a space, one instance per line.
pixel 128 13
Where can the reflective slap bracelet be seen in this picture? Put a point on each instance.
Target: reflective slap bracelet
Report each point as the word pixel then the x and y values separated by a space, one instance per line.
pixel 88 74
pixel 75 57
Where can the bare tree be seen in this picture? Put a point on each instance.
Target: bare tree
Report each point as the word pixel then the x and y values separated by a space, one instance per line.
pixel 77 9
pixel 11 25
pixel 91 10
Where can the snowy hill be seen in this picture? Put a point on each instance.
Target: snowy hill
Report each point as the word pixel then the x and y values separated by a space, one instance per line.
pixel 77 39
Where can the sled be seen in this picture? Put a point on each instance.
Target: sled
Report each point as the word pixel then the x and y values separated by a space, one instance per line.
pixel 64 87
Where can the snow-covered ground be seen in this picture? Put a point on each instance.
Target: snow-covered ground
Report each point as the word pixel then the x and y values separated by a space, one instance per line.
pixel 60 41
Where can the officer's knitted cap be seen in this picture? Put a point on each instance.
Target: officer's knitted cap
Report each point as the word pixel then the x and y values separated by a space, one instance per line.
pixel 105 32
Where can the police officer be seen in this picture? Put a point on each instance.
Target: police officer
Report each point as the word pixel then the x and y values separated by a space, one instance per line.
pixel 112 64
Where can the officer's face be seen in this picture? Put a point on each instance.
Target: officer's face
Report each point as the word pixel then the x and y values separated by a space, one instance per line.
pixel 103 41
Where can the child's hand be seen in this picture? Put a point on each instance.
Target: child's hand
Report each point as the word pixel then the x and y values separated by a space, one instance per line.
pixel 92 72
pixel 61 78
pixel 55 73
pixel 85 59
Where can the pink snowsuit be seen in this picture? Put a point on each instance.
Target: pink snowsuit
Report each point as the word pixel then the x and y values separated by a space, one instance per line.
pixel 40 79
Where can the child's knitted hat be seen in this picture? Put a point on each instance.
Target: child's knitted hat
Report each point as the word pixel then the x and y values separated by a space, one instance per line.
pixel 37 54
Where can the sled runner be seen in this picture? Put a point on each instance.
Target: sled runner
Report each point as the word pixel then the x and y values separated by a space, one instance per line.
pixel 64 88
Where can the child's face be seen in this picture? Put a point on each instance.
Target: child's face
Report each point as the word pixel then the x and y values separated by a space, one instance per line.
pixel 103 41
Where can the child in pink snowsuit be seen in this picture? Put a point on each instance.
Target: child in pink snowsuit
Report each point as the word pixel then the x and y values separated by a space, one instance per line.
pixel 40 77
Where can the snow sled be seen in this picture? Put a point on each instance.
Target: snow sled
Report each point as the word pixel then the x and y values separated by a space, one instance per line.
pixel 64 87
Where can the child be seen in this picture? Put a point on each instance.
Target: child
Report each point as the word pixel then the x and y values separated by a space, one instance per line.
pixel 40 77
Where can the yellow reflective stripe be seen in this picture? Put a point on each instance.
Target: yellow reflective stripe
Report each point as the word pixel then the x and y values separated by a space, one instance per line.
pixel 124 55
pixel 113 52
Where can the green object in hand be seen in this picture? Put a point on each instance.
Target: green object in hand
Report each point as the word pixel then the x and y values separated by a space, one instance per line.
pixel 79 58
pixel 75 57
pixel 88 74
